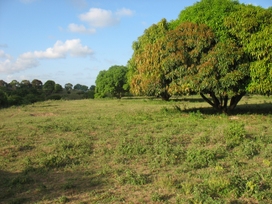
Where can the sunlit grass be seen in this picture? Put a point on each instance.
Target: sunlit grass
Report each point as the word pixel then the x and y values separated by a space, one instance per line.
pixel 136 151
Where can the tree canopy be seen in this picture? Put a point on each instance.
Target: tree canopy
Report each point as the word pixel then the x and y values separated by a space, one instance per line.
pixel 252 27
pixel 112 83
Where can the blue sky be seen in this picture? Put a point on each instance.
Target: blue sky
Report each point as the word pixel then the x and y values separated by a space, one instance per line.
pixel 70 41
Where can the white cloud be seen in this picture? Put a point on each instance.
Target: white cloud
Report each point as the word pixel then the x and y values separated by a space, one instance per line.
pixel 28 60
pixel 124 12
pixel 60 50
pixel 3 55
pixel 97 17
pixel 80 29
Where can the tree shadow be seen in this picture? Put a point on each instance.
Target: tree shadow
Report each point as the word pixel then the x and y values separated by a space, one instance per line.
pixel 242 109
pixel 34 185
pixel 188 99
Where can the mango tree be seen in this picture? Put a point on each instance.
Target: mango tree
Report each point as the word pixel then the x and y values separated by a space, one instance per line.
pixel 201 65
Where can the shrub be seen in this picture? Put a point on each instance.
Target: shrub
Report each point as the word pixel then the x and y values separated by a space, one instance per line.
pixel 234 134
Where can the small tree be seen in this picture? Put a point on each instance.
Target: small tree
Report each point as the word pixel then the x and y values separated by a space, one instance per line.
pixel 68 87
pixel 58 88
pixel 111 83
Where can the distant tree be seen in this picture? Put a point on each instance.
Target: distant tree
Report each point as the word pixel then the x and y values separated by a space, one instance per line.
pixel 92 88
pixel 14 84
pixel 90 93
pixel 58 88
pixel 49 87
pixel 81 87
pixel 111 83
pixel 14 100
pixel 68 87
pixel 3 84
pixel 25 84
pixel 37 84
pixel 3 99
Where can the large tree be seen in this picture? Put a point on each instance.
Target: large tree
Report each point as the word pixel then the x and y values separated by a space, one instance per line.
pixel 248 25
pixel 200 64
pixel 112 83
pixel 189 59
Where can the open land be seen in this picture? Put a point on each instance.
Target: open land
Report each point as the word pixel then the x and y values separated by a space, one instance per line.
pixel 136 151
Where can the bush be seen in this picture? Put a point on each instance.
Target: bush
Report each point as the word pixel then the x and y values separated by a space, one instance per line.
pixel 234 134
pixel 54 97
pixel 3 99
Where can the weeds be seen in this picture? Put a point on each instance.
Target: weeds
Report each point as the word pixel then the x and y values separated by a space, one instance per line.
pixel 135 151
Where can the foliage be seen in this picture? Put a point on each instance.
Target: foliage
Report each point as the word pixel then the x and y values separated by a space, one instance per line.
pixel 145 68
pixel 209 12
pixel 81 87
pixel 252 27
pixel 58 88
pixel 111 83
pixel 68 87
pixel 37 84
pixel 3 99
pixel 49 87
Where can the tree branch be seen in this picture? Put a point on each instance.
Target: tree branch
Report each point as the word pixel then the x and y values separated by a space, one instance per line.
pixel 207 100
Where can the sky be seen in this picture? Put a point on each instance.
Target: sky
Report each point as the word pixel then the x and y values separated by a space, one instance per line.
pixel 71 41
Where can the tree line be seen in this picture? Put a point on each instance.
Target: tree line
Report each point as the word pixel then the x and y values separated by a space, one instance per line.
pixel 26 92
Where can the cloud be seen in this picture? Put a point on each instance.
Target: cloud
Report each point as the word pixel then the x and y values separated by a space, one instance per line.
pixel 124 12
pixel 80 29
pixel 3 55
pixel 97 18
pixel 28 60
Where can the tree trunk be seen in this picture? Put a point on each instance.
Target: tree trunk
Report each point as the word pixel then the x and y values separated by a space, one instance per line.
pixel 165 96
pixel 235 100
pixel 222 104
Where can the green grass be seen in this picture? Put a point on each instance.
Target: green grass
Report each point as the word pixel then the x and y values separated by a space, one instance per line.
pixel 136 151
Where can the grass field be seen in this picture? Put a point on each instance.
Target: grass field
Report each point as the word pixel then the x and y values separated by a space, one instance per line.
pixel 136 151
